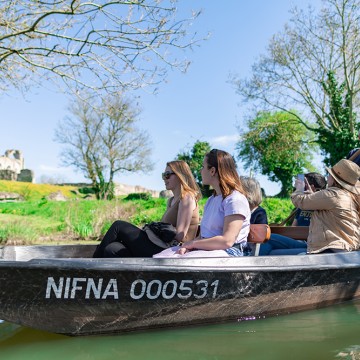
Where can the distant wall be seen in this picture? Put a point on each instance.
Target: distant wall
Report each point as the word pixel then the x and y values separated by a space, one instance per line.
pixel 122 189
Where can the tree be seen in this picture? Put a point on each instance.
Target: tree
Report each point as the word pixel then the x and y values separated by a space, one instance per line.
pixel 98 45
pixel 333 143
pixel 194 159
pixel 277 146
pixel 315 49
pixel 101 144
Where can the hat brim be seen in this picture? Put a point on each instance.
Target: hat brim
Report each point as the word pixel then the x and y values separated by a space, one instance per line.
pixel 351 188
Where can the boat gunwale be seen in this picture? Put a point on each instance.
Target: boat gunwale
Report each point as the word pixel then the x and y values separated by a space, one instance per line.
pixel 225 264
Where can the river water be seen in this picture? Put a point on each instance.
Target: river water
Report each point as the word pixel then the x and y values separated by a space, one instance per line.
pixel 329 333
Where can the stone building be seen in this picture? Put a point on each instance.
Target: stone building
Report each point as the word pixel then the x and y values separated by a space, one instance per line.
pixel 12 167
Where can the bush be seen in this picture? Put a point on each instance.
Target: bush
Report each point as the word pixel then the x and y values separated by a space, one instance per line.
pixel 139 196
pixel 277 209
pixel 87 190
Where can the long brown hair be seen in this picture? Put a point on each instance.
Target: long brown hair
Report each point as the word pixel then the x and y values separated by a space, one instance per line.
pixel 225 166
pixel 187 180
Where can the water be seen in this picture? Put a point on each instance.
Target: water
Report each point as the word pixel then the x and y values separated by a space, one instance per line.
pixel 330 333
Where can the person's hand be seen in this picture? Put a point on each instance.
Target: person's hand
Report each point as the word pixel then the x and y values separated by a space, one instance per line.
pixel 186 247
pixel 309 190
pixel 182 251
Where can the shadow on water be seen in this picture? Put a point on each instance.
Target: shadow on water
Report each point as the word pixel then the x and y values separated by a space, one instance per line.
pixel 330 333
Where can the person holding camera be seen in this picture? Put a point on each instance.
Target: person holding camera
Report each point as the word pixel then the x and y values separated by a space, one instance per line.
pixel 313 182
pixel 124 239
pixel 335 222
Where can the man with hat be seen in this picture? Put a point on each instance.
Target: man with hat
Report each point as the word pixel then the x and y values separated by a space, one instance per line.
pixel 335 223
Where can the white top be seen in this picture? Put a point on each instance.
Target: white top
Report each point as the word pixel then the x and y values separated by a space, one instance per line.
pixel 215 210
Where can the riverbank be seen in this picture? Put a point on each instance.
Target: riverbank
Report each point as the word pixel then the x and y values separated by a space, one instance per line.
pixel 80 219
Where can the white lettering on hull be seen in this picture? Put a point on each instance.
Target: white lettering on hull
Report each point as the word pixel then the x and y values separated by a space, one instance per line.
pixel 89 288
pixel 74 287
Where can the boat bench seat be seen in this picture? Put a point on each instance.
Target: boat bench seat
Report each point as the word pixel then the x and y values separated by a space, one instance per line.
pixel 294 232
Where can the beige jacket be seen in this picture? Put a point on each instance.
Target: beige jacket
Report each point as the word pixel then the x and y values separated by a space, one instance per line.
pixel 335 222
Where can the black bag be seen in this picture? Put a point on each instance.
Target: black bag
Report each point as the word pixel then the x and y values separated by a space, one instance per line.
pixel 166 232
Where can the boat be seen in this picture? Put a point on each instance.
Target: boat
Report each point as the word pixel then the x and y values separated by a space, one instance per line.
pixel 61 289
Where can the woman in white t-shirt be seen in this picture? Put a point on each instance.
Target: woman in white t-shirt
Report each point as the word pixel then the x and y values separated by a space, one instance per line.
pixel 226 219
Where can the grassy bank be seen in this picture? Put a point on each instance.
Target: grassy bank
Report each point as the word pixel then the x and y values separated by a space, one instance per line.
pixel 41 221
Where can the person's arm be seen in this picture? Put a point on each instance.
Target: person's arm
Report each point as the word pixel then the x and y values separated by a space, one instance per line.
pixel 187 206
pixel 232 227
pixel 295 222
pixel 320 200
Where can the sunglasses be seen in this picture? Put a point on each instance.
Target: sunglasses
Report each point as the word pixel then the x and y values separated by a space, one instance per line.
pixel 166 175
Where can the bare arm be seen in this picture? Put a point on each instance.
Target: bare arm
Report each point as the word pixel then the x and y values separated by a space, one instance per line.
pixel 232 227
pixel 187 206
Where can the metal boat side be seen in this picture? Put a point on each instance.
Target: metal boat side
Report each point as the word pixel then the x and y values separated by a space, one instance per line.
pixel 79 257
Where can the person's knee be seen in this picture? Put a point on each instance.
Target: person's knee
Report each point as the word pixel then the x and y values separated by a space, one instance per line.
pixel 118 224
pixel 115 249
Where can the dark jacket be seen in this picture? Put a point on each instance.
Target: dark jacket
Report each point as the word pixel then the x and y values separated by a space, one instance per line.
pixel 258 216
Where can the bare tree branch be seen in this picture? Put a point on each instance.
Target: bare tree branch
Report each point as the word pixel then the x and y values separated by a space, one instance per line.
pixel 101 45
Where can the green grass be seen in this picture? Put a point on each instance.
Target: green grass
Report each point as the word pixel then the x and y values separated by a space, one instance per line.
pixel 32 192
pixel 39 221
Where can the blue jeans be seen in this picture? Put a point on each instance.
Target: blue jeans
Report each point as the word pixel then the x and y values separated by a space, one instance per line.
pixel 282 245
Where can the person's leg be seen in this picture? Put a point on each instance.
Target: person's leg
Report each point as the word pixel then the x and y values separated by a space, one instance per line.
pixel 126 240
pixel 277 241
pixel 116 249
pixel 136 240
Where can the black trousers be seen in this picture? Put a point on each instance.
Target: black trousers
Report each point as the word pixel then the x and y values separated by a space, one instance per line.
pixel 124 239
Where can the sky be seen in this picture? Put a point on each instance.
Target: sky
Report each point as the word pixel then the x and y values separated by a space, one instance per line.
pixel 198 105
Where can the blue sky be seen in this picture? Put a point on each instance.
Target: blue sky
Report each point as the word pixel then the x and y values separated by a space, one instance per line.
pixel 198 105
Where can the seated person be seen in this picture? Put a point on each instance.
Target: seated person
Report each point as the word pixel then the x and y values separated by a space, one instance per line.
pixel 314 182
pixel 226 219
pixel 354 155
pixel 254 196
pixel 335 223
pixel 124 239
pixel 258 213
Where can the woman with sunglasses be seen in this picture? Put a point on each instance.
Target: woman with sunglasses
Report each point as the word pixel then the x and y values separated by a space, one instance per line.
pixel 226 220
pixel 124 239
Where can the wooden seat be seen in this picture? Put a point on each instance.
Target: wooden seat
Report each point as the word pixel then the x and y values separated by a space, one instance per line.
pixel 294 232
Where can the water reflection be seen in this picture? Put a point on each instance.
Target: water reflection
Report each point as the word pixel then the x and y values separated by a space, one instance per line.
pixel 352 353
pixel 331 333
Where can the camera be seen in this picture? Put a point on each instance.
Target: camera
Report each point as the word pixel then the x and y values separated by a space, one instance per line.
pixel 301 177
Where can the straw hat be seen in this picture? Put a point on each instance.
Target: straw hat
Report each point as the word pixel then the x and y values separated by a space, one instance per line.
pixel 346 173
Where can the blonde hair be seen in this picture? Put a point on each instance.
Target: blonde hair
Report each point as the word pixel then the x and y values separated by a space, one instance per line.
pixel 188 183
pixel 253 191
pixel 225 166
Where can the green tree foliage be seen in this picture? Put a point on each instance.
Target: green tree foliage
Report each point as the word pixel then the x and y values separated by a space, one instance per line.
pixel 335 144
pixel 313 66
pixel 194 158
pixel 101 144
pixel 277 146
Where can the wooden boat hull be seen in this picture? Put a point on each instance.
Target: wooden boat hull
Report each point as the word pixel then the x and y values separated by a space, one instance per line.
pixel 83 296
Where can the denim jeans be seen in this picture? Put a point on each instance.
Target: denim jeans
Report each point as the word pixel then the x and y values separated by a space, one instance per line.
pixel 282 245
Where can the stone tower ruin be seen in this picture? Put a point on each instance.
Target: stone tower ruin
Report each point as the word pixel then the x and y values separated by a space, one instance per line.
pixel 12 167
